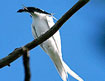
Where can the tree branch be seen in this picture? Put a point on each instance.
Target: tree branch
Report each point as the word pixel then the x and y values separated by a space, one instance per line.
pixel 20 51
pixel 26 65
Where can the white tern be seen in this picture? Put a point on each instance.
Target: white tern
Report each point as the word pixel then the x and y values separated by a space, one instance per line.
pixel 42 22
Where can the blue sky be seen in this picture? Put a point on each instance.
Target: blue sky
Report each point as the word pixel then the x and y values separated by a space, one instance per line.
pixel 83 40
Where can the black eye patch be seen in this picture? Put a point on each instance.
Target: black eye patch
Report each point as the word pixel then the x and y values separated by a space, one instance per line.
pixel 32 9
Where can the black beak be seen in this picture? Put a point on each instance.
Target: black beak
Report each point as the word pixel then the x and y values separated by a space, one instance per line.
pixel 23 10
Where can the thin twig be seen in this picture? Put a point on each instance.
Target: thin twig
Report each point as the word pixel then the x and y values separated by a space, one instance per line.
pixel 18 52
pixel 26 65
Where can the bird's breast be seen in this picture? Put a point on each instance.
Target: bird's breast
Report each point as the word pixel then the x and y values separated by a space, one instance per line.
pixel 41 25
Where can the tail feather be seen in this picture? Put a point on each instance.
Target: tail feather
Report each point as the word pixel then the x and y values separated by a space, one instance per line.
pixel 63 68
pixel 73 74
pixel 59 66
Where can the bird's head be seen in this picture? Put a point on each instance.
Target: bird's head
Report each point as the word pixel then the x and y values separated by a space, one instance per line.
pixel 33 10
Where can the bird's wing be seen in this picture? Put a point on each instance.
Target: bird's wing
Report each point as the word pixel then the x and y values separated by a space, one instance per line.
pixel 36 36
pixel 34 32
pixel 56 36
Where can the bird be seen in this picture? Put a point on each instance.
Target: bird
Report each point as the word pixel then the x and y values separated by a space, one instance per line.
pixel 42 21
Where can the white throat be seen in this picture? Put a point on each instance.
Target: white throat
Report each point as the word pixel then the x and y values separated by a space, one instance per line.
pixel 39 14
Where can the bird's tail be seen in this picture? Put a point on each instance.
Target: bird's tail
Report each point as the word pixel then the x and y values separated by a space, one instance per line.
pixel 63 69
pixel 69 71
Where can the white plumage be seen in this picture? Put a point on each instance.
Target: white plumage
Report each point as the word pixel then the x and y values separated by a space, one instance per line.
pixel 42 22
pixel 52 46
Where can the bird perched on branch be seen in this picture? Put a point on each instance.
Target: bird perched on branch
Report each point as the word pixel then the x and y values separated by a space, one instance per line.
pixel 42 22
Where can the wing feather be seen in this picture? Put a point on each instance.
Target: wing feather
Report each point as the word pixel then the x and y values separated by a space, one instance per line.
pixel 56 36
